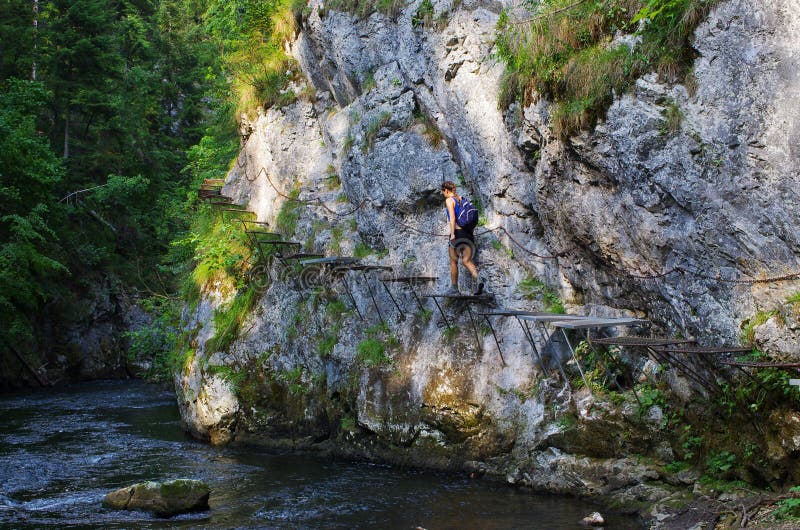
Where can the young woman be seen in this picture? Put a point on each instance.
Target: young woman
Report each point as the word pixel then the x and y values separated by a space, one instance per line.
pixel 462 241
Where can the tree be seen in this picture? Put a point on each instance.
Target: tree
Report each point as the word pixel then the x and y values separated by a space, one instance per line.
pixel 29 172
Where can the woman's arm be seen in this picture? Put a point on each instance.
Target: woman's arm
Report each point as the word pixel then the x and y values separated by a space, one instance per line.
pixel 451 210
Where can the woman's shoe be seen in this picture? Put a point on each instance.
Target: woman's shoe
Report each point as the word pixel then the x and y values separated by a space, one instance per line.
pixel 478 282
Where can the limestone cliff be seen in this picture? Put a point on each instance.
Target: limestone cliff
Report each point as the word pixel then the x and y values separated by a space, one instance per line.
pixel 630 218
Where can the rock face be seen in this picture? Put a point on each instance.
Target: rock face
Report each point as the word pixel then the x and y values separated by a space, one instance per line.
pixel 162 498
pixel 397 110
pixel 88 343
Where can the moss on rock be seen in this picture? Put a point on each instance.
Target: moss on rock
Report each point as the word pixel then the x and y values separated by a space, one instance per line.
pixel 165 499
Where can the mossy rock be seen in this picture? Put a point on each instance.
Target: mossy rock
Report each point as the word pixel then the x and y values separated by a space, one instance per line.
pixel 165 499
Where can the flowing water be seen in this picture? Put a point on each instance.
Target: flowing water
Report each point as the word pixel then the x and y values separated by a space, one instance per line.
pixel 61 451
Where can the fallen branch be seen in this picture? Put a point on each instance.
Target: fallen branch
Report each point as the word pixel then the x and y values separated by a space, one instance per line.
pixel 42 381
pixel 101 220
pixel 66 197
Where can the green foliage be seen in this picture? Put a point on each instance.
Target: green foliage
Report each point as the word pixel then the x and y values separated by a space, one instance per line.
pixel 379 329
pixel 124 90
pixel 30 259
pixel 348 423
pixel 310 244
pixel 677 466
pixel 673 117
pixel 765 389
pixel 336 310
pixel 793 299
pixel 368 83
pixel 691 444
pixel 720 464
pixel 535 289
pixel 159 340
pixel 220 249
pixel 336 240
pixel 372 353
pixel 289 214
pixel 235 378
pixel 229 318
pixel 364 8
pixel 30 169
pixel 425 315
pixel 788 509
pixel 294 381
pixel 210 158
pixel 250 37
pixel 450 332
pixel 332 180
pixel 432 132
pixel 326 345
pixel 649 396
pixel 567 422
pixel 617 398
pixel 363 250
pixel 424 14
pixel 749 326
pixel 563 52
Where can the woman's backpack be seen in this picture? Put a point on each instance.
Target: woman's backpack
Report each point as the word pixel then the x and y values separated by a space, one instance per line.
pixel 466 214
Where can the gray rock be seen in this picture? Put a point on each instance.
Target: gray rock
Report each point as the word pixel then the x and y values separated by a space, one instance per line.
pixel 779 336
pixel 162 498
pixel 593 519
pixel 783 435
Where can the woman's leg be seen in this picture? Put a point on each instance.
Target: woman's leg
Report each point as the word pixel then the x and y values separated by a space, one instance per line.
pixel 453 266
pixel 466 259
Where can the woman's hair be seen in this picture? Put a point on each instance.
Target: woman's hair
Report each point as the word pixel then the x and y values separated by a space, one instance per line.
pixel 448 185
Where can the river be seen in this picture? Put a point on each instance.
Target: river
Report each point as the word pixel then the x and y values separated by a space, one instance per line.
pixel 62 450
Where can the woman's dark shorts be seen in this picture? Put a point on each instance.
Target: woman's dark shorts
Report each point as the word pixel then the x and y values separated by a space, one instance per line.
pixel 464 237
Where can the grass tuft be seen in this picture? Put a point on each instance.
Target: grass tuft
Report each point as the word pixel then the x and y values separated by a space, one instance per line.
pixel 793 299
pixel 748 335
pixel 374 126
pixel 364 8
pixel 673 118
pixel 228 319
pixel 535 289
pixel 289 214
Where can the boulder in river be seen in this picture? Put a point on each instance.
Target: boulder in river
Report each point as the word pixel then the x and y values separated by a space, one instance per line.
pixel 593 519
pixel 162 498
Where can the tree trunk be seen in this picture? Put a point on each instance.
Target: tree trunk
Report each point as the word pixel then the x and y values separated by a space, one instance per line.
pixel 35 37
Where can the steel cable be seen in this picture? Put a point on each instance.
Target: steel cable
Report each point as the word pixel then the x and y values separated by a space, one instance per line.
pixel 682 270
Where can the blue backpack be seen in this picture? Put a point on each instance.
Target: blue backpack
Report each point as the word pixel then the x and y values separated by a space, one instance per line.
pixel 466 214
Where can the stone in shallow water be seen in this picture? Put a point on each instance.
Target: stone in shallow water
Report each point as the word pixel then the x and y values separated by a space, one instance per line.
pixel 593 519
pixel 162 498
